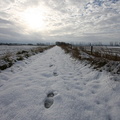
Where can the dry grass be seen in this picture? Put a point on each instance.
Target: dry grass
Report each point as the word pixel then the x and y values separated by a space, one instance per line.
pixel 8 60
pixel 97 60
pixel 74 51
pixel 102 54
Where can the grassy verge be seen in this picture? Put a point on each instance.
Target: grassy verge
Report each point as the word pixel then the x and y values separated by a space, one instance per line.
pixel 102 54
pixel 8 60
pixel 98 61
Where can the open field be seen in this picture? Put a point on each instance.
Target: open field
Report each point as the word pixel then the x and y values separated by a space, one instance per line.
pixel 113 50
pixel 99 58
pixel 4 49
pixel 11 54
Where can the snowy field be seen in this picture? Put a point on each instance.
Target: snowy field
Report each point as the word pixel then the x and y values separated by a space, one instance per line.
pixel 53 86
pixel 4 49
pixel 105 49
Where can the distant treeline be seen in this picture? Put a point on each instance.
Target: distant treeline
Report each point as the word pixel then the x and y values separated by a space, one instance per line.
pixel 11 44
pixel 64 43
pixel 18 44
pixel 89 44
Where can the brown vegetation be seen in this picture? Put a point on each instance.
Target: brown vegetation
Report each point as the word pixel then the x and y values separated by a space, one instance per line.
pixel 97 60
pixel 8 60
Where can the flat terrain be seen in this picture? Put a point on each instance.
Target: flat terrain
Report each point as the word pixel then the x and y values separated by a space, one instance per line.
pixel 5 49
pixel 53 86
pixel 105 49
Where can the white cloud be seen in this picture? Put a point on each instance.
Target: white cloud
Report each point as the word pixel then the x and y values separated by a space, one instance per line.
pixel 81 19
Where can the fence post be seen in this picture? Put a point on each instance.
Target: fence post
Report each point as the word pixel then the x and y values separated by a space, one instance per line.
pixel 91 49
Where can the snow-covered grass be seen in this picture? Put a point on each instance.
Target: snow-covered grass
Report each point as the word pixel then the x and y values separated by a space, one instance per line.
pixel 98 60
pixel 5 49
pixel 103 58
pixel 9 58
pixel 110 50
pixel 53 86
pixel 113 47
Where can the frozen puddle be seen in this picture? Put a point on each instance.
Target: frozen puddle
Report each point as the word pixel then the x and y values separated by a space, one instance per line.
pixel 53 86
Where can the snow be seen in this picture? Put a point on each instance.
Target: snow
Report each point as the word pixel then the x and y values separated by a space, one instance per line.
pixel 4 49
pixel 53 86
pixel 105 49
pixel 113 47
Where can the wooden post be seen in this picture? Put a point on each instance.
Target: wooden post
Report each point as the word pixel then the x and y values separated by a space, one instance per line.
pixel 91 49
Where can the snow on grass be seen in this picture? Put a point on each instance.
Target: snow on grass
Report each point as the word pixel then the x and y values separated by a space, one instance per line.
pixel 9 58
pixel 53 86
pixel 4 49
pixel 112 50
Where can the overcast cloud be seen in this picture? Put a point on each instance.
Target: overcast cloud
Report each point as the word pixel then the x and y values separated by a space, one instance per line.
pixel 60 20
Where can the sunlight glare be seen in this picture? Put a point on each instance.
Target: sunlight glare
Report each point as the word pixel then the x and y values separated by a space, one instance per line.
pixel 34 19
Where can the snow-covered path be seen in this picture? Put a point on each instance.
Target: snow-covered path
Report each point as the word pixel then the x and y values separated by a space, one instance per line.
pixel 53 86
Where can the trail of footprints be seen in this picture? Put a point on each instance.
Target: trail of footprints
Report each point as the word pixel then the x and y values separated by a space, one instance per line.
pixel 49 99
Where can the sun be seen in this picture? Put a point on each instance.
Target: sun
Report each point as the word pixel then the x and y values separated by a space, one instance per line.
pixel 34 19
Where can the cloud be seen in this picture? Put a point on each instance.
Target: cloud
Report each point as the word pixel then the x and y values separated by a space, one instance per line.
pixel 74 20
pixel 3 21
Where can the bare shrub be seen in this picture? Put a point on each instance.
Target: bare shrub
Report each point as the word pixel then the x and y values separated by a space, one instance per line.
pixel 21 52
pixel 76 53
pixel 7 60
pixel 7 57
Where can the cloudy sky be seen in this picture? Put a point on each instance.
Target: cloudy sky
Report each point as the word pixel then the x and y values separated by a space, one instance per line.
pixel 60 20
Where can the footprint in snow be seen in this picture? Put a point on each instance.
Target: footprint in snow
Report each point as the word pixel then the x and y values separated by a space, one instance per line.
pixel 93 92
pixel 50 65
pixel 51 94
pixel 84 83
pixel 49 100
pixel 1 85
pixel 55 74
pixel 97 102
